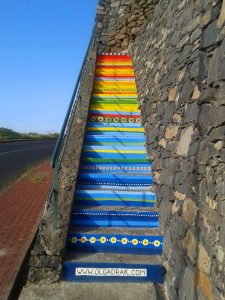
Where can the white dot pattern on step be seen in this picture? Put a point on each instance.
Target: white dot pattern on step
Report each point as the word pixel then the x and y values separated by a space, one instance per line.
pixel 112 183
pixel 114 168
pixel 115 214
pixel 118 136
pixel 112 54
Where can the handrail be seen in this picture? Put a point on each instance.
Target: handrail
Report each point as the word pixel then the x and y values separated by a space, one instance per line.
pixel 73 98
pixel 55 161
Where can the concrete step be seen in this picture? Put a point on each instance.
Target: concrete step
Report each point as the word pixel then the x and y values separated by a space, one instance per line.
pixel 117 230
pixel 94 291
pixel 114 218
pixel 113 258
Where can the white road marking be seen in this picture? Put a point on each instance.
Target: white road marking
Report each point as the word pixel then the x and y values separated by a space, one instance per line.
pixel 19 150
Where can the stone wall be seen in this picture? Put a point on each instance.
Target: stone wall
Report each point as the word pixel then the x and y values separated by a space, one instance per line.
pixel 119 22
pixel 180 70
pixel 47 254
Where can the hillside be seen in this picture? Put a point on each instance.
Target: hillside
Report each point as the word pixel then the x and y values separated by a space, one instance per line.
pixel 9 134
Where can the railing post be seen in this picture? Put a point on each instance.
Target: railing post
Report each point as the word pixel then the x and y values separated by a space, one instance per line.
pixel 55 196
pixel 80 106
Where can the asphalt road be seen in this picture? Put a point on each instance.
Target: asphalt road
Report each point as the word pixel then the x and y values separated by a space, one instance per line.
pixel 17 157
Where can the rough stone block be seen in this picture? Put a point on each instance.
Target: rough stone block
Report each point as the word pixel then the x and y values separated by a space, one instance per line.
pixel 171 132
pixel 190 244
pixel 43 276
pixel 189 211
pixel 166 178
pixel 186 290
pixel 191 113
pixel 196 93
pixel 221 19
pixel 204 260
pixel 185 140
pixel 204 285
pixel 209 36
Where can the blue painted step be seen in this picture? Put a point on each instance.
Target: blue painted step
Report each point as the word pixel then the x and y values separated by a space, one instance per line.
pixel 117 179
pixel 116 139
pixel 106 218
pixel 114 198
pixel 112 152
pixel 115 168
pixel 114 155
pixel 112 272
pixel 92 243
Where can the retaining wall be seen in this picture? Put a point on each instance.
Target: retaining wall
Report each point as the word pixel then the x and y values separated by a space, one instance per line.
pixel 180 70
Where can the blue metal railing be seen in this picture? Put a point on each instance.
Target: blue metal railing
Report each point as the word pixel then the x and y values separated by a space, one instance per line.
pixel 58 152
pixel 73 99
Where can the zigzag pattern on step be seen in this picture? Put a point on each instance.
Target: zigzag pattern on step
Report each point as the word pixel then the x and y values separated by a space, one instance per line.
pixel 114 176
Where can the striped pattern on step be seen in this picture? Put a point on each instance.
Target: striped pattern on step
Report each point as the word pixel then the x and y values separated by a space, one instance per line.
pixel 146 245
pixel 115 173
pixel 118 168
pixel 106 218
pixel 114 198
pixel 112 272
pixel 116 179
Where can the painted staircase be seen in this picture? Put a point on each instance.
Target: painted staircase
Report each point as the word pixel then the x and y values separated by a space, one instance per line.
pixel 114 234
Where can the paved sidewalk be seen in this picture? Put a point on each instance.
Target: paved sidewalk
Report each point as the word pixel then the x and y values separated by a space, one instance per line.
pixel 21 207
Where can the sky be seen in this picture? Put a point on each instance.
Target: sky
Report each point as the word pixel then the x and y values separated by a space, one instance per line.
pixel 42 45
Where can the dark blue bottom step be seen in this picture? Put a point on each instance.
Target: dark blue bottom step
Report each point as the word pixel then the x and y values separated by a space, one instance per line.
pixel 112 272
pixel 107 218
pixel 115 243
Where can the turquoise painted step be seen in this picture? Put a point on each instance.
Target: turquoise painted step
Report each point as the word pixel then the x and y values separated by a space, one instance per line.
pixel 117 243
pixel 116 152
pixel 110 156
pixel 114 198
pixel 111 139
pixel 106 218
pixel 112 272
pixel 115 179
pixel 121 149
pixel 117 133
